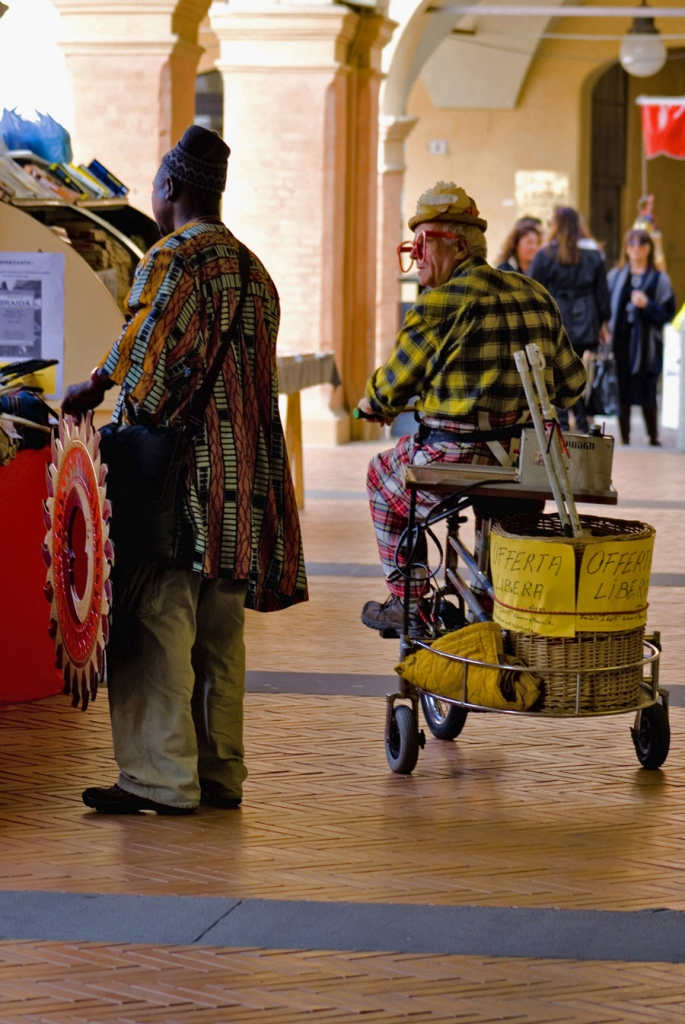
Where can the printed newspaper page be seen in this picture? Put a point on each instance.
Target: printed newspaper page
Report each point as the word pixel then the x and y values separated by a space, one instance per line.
pixel 32 312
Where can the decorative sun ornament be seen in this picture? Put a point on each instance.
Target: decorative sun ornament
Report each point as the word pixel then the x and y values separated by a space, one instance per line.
pixel 79 557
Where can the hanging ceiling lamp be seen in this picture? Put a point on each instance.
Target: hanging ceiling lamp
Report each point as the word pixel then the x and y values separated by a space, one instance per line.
pixel 642 52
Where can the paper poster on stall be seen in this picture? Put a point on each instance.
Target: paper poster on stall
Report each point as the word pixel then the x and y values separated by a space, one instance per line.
pixel 534 585
pixel 32 313
pixel 614 583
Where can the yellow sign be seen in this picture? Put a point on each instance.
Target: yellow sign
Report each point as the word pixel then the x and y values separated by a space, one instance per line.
pixel 613 584
pixel 45 379
pixel 535 585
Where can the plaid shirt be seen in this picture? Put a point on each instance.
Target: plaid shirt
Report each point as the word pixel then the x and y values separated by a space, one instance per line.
pixel 456 347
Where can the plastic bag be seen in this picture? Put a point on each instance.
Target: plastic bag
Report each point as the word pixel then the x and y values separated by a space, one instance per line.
pixel 45 137
pixel 603 398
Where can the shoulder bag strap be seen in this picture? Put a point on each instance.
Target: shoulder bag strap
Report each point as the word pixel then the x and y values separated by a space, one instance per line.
pixel 199 401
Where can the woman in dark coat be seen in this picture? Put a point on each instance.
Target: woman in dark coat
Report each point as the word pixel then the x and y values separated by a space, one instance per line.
pixel 642 301
pixel 575 277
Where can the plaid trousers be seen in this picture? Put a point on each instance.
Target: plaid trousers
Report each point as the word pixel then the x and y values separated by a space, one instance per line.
pixel 389 499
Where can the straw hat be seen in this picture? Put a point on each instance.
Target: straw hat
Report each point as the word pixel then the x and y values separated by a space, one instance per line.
pixel 447 201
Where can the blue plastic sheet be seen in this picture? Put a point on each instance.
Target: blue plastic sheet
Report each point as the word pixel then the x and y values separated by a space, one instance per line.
pixel 45 137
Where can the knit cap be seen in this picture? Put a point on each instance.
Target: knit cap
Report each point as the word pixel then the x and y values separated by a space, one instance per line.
pixel 200 160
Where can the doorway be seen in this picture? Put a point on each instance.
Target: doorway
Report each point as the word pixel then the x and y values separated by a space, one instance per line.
pixel 209 101
pixel 608 159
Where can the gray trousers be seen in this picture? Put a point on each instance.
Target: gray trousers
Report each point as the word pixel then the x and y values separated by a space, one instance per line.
pixel 176 682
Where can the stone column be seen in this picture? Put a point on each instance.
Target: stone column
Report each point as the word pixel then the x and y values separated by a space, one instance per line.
pixel 300 113
pixel 391 229
pixel 358 357
pixel 133 69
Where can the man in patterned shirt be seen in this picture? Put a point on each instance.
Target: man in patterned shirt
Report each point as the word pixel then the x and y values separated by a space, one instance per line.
pixel 176 661
pixel 455 355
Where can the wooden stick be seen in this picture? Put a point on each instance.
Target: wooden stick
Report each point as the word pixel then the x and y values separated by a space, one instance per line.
pixel 537 362
pixel 24 422
pixel 521 361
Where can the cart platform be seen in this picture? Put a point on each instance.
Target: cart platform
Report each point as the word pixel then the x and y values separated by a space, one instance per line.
pixel 490 482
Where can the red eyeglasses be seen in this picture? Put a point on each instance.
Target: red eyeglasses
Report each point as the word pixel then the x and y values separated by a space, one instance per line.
pixel 416 250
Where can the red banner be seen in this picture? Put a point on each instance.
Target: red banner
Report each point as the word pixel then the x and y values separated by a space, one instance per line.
pixel 663 130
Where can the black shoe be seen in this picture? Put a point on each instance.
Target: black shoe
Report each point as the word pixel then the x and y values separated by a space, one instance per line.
pixel 226 803
pixel 388 617
pixel 211 797
pixel 117 801
pixel 450 616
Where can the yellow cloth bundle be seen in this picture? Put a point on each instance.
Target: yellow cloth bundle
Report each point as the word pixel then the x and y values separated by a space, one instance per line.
pixel 492 688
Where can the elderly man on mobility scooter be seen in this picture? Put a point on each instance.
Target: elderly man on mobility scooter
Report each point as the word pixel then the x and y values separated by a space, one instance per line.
pixel 455 354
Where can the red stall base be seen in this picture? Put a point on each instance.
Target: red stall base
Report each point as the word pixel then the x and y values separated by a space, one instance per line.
pixel 27 654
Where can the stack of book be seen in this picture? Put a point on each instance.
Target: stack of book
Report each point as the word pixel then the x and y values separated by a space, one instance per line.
pixel 101 252
pixel 23 175
pixel 91 184
pixel 17 183
pixel 106 178
pixel 52 183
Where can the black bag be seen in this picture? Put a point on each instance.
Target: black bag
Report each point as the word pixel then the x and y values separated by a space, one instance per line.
pixel 25 402
pixel 146 468
pixel 603 399
pixel 147 465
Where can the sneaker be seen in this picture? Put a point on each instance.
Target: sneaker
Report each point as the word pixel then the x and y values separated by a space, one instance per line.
pixel 117 801
pixel 388 618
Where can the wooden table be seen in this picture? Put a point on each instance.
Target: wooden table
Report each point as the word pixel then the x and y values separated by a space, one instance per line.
pixel 296 372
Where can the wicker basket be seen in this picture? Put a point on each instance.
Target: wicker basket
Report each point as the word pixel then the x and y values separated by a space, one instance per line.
pixel 557 660
pixel 566 664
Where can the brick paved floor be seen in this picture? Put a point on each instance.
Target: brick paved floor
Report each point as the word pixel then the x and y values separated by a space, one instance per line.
pixel 516 813
pixel 54 983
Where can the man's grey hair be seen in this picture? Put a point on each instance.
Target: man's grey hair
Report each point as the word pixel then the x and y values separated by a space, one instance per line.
pixel 477 242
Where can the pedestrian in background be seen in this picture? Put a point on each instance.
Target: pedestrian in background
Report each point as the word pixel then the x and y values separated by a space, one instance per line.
pixel 575 277
pixel 521 245
pixel 642 301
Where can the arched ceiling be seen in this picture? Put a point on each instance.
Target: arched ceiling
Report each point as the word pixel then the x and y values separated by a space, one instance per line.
pixel 471 61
